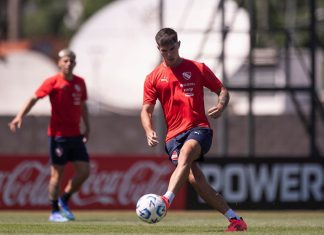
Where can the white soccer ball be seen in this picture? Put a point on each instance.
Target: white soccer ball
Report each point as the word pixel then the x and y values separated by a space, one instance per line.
pixel 151 208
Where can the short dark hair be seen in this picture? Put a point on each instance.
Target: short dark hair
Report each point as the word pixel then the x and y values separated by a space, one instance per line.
pixel 166 36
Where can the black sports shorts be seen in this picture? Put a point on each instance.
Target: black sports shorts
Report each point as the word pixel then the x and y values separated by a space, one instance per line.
pixel 65 149
pixel 202 134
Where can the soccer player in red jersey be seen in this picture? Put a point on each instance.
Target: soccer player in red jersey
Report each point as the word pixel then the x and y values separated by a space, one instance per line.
pixel 178 84
pixel 68 95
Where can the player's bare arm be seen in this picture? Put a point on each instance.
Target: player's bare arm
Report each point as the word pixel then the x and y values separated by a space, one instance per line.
pixel 17 121
pixel 223 99
pixel 147 123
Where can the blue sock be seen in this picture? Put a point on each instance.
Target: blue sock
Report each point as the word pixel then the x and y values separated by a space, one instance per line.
pixel 230 214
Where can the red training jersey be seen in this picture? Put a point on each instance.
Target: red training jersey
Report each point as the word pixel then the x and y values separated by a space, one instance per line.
pixel 66 98
pixel 180 91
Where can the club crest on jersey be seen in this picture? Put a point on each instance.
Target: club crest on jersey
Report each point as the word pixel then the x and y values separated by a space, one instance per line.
pixel 77 87
pixel 186 75
pixel 59 152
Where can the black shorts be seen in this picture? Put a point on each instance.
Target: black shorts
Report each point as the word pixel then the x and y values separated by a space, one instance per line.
pixel 65 149
pixel 202 134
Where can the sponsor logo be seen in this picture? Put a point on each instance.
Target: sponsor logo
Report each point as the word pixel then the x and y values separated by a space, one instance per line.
pixel 287 182
pixel 189 94
pixel 186 75
pixel 164 79
pixel 187 84
pixel 25 185
pixel 188 88
pixel 59 151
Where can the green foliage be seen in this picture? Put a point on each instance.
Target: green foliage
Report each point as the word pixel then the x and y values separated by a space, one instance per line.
pixel 92 6
pixel 47 18
pixel 274 18
pixel 40 19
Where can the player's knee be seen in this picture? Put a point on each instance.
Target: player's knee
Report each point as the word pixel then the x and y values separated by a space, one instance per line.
pixel 84 172
pixel 197 176
pixel 56 177
pixel 83 175
pixel 191 151
pixel 186 156
pixel 196 179
pixel 191 179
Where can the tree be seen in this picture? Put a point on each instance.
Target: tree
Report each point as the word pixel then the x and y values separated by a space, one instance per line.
pixel 54 18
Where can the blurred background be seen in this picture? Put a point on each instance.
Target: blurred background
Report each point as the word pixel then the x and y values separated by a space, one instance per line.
pixel 268 53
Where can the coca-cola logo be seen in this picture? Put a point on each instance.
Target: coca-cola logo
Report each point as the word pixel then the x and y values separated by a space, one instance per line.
pixel 26 184
pixel 123 187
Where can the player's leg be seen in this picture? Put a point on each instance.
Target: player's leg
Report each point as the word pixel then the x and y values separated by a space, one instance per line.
pixel 79 157
pixel 82 171
pixel 58 161
pixel 214 199
pixel 183 150
pixel 54 190
pixel 205 191
pixel 189 152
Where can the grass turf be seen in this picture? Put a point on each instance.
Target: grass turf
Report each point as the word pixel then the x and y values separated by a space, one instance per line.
pixel 176 222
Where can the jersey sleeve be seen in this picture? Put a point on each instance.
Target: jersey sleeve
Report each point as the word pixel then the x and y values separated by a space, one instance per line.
pixel 210 80
pixel 149 95
pixel 45 88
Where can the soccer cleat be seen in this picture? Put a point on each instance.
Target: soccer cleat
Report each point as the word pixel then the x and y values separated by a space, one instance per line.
pixel 166 201
pixel 65 210
pixel 57 217
pixel 236 225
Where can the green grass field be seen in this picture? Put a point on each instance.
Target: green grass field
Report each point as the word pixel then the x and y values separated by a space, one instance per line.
pixel 176 222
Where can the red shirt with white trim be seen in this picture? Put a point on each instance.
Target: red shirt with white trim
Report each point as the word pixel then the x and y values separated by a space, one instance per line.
pixel 180 91
pixel 66 98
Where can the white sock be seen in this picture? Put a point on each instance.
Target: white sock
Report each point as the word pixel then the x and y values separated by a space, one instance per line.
pixel 230 214
pixel 170 196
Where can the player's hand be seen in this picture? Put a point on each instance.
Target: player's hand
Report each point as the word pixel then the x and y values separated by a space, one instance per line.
pixel 14 124
pixel 215 111
pixel 152 139
pixel 85 138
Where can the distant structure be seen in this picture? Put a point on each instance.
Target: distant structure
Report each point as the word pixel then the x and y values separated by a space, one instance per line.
pixel 21 73
pixel 116 47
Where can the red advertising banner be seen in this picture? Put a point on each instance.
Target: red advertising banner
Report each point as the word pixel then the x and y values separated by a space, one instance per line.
pixel 115 182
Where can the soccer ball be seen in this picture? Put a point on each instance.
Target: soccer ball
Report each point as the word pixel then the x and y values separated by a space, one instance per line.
pixel 150 208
